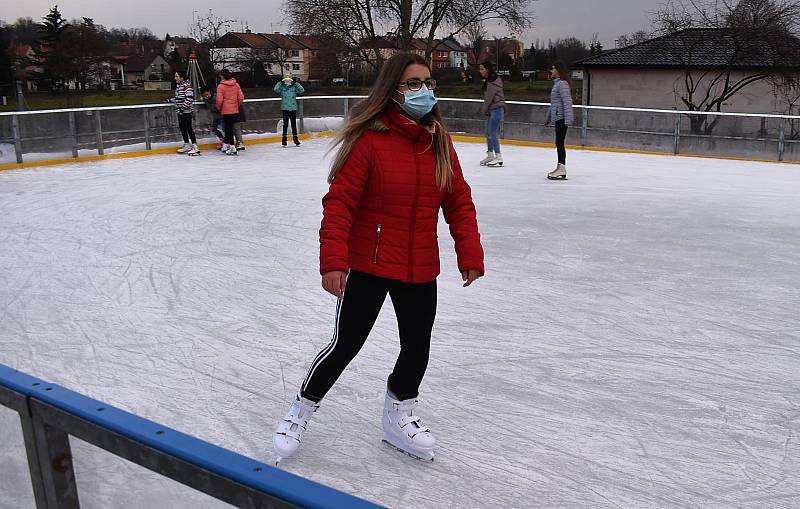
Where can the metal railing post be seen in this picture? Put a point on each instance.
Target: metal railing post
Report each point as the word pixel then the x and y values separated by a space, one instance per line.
pixel 17 138
pixel 677 140
pixel 346 106
pixel 781 139
pixel 58 474
pixel 98 130
pixel 73 134
pixel 146 117
pixel 584 126
pixel 301 126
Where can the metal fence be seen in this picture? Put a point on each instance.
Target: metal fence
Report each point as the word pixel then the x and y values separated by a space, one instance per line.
pixel 70 133
pixel 49 414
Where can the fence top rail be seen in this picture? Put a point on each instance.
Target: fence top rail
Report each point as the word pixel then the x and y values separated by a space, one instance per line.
pixel 249 472
pixel 161 105
pixel 444 99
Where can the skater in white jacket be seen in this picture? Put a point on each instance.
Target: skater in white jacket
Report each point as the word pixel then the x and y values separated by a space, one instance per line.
pixel 560 115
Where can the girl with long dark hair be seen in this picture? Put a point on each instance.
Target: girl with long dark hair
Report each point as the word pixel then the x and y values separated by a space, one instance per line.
pixel 494 107
pixel 184 104
pixel 560 115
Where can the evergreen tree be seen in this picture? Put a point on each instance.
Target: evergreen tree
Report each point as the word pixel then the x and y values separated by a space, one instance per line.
pixel 52 49
pixel 6 72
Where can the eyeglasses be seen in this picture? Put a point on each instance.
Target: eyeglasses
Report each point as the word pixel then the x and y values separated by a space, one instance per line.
pixel 414 84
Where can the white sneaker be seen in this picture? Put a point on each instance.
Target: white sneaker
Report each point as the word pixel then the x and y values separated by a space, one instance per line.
pixel 184 149
pixel 194 151
pixel 497 161
pixel 289 434
pixel 404 431
pixel 560 173
pixel 489 157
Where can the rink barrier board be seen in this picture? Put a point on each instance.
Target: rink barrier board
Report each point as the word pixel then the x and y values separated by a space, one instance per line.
pixel 456 137
pixel 50 413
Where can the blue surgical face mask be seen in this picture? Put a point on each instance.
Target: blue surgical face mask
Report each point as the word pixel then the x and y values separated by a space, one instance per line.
pixel 418 104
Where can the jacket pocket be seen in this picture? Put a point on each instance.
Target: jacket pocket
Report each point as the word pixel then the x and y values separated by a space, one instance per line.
pixel 377 243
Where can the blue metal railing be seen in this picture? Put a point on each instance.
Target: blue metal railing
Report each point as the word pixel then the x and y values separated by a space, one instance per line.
pixel 53 407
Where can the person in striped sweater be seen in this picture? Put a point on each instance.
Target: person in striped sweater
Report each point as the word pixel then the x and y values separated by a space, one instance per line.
pixel 184 102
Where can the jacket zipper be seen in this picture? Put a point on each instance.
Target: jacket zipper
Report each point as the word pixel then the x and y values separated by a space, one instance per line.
pixel 413 219
pixel 377 243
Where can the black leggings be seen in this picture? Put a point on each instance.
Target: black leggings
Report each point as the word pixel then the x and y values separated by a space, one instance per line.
pixel 289 115
pixel 415 308
pixel 561 135
pixel 185 125
pixel 229 121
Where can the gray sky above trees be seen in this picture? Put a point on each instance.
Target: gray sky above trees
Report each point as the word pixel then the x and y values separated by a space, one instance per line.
pixel 553 18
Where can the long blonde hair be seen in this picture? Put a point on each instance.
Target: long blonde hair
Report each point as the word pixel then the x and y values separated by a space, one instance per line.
pixel 364 114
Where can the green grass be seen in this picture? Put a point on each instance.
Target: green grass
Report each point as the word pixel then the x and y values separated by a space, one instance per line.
pixel 537 91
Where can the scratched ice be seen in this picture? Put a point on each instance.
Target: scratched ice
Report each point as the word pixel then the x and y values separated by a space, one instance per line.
pixel 635 342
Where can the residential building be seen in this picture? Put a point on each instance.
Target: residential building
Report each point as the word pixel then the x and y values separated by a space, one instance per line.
pixel 141 68
pixel 458 53
pixel 652 74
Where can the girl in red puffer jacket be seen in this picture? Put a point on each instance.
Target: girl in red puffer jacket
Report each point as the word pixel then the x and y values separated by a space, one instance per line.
pixel 395 169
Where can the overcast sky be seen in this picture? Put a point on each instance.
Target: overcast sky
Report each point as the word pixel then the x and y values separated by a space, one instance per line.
pixel 553 18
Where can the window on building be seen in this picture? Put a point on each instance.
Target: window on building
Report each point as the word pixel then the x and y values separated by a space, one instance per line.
pixel 295 67
pixel 295 53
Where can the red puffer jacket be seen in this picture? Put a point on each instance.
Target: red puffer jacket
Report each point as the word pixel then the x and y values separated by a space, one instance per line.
pixel 229 97
pixel 382 209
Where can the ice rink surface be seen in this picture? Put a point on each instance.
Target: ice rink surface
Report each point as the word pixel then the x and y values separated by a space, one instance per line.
pixel 635 342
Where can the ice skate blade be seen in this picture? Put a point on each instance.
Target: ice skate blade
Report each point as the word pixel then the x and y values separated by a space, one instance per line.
pixel 556 178
pixel 416 457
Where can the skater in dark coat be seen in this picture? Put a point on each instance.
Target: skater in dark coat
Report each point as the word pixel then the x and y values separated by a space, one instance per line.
pixel 560 115
pixel 210 101
pixel 395 169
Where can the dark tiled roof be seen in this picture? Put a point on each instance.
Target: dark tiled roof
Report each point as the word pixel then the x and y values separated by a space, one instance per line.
pixel 700 47
pixel 453 44
pixel 139 63
pixel 282 41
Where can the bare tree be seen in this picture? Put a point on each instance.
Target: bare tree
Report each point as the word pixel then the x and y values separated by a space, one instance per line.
pixel 786 87
pixel 362 23
pixel 636 37
pixel 754 39
pixel 209 27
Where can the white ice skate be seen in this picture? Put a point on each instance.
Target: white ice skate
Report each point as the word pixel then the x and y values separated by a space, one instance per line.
pixel 231 151
pixel 184 149
pixel 194 151
pixel 497 161
pixel 404 431
pixel 289 434
pixel 489 157
pixel 560 173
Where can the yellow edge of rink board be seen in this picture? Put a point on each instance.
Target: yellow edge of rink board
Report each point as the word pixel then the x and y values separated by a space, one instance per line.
pixel 276 139
pixel 141 153
pixel 539 144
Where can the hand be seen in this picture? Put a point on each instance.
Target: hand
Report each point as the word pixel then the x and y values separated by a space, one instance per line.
pixel 334 282
pixel 469 276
